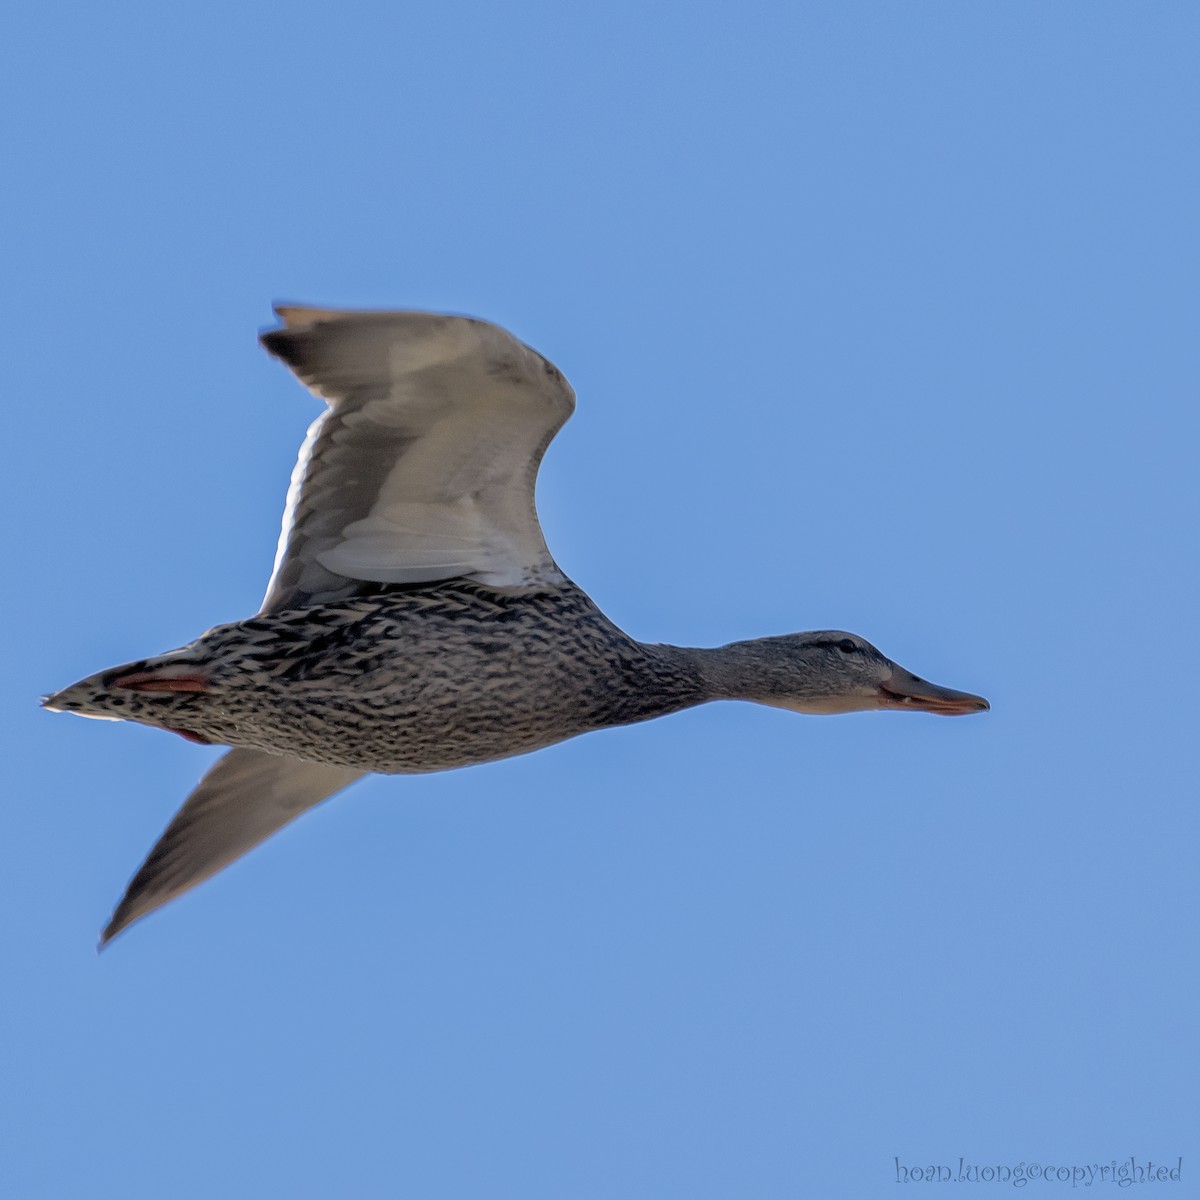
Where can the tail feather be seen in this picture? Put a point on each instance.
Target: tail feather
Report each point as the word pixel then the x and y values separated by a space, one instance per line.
pixel 118 693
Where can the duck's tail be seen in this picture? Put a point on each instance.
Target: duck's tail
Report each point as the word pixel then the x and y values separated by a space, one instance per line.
pixel 159 691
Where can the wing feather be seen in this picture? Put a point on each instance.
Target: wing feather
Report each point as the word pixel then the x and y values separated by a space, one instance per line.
pixel 243 799
pixel 424 465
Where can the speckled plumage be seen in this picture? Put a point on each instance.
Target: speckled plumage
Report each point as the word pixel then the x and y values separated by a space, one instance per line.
pixel 410 679
pixel 415 619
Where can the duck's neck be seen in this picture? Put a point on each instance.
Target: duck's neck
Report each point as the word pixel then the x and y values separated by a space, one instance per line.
pixel 656 679
pixel 739 671
pixel 751 670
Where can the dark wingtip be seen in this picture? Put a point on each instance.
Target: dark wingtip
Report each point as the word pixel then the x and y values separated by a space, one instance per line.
pixel 280 343
pixel 116 923
pixel 126 912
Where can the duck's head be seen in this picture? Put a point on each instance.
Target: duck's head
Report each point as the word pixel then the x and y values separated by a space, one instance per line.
pixel 834 672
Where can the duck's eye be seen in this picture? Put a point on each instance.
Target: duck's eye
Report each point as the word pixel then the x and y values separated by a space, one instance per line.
pixel 846 646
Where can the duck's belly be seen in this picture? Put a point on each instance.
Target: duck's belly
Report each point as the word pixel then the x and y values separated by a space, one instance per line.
pixel 396 688
pixel 409 714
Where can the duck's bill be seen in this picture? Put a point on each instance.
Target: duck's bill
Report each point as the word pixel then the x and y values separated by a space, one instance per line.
pixel 904 690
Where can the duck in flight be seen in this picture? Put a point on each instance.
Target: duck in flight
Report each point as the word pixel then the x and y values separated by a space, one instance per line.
pixel 415 620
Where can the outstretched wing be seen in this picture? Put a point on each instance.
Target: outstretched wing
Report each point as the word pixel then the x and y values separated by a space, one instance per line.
pixel 423 466
pixel 241 801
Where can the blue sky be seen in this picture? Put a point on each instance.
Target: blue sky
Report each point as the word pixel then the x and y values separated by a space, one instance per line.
pixel 882 317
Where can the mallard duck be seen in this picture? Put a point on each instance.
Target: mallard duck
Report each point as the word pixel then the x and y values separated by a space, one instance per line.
pixel 415 620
